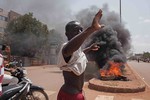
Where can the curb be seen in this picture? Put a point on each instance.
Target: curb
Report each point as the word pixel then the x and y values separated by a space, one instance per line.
pixel 114 89
pixel 113 86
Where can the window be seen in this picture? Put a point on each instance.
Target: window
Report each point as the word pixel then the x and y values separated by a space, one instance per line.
pixel 3 18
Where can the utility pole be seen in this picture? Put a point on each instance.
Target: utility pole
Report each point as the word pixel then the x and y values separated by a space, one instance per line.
pixel 120 10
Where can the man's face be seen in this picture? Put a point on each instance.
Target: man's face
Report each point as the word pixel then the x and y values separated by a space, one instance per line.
pixel 75 31
pixel 73 28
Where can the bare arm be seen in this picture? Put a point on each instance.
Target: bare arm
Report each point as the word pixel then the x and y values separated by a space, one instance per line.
pixel 86 50
pixel 93 47
pixel 77 41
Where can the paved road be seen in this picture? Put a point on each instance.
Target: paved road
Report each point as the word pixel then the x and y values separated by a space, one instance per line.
pixel 50 77
pixel 142 69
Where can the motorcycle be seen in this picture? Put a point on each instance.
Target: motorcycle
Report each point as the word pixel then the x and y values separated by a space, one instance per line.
pixel 24 90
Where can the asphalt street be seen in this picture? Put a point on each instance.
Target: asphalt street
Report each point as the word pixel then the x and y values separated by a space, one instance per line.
pixel 142 69
pixel 50 78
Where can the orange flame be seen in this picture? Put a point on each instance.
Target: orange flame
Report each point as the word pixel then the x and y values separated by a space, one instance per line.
pixel 114 70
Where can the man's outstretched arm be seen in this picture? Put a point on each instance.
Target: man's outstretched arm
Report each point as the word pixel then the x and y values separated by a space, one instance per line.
pixel 77 41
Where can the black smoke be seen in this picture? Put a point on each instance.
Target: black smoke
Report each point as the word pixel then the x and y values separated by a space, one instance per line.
pixel 54 13
pixel 114 38
pixel 110 47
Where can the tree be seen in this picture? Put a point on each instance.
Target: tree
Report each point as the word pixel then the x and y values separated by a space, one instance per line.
pixel 146 55
pixel 26 35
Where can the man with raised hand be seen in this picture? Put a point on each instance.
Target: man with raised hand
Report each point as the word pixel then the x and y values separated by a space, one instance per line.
pixel 72 59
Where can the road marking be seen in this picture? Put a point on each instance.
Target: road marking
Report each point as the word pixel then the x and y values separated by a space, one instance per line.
pixel 104 97
pixel 140 77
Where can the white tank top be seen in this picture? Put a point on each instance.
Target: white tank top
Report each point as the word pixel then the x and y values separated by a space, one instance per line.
pixel 77 63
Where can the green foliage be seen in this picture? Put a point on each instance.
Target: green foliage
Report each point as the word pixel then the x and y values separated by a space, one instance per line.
pixel 26 35
pixel 146 55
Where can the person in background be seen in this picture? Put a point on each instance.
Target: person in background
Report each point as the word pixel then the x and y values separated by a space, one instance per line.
pixel 72 59
pixel 8 79
pixel 2 48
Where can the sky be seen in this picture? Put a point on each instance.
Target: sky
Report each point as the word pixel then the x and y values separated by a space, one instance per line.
pixel 135 15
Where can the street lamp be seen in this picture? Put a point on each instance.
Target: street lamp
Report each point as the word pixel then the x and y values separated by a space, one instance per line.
pixel 120 10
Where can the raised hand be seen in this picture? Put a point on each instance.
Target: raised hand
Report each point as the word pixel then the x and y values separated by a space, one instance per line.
pixel 95 24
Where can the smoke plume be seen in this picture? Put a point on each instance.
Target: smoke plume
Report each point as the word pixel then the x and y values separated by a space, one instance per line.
pixel 54 13
pixel 114 39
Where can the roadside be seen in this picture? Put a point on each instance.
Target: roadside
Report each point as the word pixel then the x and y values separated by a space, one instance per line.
pixel 98 95
pixel 50 77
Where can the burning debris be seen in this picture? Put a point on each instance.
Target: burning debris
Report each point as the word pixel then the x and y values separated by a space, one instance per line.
pixel 114 70
pixel 113 73
pixel 114 41
pixel 110 57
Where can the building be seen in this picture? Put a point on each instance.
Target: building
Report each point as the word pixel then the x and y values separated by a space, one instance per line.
pixel 13 15
pixel 50 56
pixel 3 22
pixel 6 17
